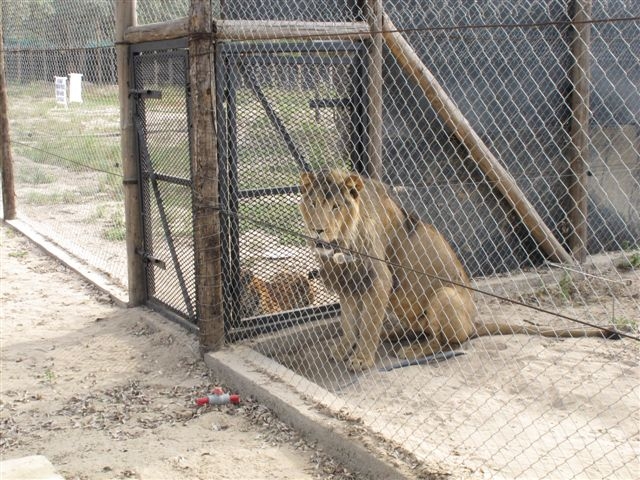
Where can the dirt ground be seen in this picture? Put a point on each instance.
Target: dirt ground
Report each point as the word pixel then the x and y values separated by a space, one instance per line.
pixel 108 393
pixel 511 406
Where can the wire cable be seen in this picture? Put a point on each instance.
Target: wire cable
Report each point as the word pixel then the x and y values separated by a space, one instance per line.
pixel 609 330
pixel 74 162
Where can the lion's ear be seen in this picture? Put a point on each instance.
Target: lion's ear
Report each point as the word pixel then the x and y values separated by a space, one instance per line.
pixel 354 184
pixel 305 180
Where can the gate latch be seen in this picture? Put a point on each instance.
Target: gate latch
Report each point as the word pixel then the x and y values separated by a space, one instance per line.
pixel 155 261
pixel 146 93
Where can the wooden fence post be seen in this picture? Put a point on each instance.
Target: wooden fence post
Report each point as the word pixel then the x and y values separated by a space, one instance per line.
pixel 126 17
pixel 205 177
pixel 374 167
pixel 8 186
pixel 579 129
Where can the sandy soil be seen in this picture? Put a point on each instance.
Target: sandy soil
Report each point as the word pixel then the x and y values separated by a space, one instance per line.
pixel 512 406
pixel 107 393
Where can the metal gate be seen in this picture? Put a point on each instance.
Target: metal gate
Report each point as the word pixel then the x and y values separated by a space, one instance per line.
pixel 161 116
pixel 282 108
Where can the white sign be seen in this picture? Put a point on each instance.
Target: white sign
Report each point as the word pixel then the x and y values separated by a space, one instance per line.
pixel 61 90
pixel 75 87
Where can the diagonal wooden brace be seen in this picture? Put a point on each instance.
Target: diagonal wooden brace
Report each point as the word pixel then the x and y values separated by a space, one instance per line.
pixel 480 153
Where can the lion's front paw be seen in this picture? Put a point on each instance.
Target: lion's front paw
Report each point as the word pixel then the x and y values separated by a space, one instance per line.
pixel 342 350
pixel 342 258
pixel 360 361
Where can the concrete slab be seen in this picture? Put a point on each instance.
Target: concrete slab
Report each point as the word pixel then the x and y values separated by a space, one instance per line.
pixel 35 467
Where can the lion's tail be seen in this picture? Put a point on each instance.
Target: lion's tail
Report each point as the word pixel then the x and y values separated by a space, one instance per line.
pixel 488 329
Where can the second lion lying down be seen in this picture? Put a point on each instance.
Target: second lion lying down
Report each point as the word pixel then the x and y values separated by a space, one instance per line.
pixel 416 291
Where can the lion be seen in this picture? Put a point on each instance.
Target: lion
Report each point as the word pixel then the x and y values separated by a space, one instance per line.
pixel 288 291
pixel 396 276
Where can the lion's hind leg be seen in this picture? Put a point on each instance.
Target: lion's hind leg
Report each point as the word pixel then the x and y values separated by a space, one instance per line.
pixel 447 322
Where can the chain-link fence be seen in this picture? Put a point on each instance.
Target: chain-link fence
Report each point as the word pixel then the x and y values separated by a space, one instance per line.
pixel 65 127
pixel 477 138
pixel 161 122
pixel 476 87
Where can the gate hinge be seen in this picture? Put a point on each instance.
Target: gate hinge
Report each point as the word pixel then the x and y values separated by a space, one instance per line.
pixel 155 261
pixel 146 93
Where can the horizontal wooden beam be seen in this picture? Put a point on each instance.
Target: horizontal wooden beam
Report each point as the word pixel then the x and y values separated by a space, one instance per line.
pixel 252 30
pixel 153 32
pixel 290 30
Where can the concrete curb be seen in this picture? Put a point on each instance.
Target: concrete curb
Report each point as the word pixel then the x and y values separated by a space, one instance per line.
pixel 35 467
pixel 272 385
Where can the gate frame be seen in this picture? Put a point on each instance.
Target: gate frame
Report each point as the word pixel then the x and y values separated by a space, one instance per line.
pixel 148 183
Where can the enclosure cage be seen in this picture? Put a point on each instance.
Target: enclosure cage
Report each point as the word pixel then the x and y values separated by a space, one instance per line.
pixel 512 128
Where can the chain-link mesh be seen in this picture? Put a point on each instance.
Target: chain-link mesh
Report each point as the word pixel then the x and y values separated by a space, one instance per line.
pixel 401 356
pixel 65 127
pixel 163 143
pixel 154 11
pixel 496 375
pixel 284 110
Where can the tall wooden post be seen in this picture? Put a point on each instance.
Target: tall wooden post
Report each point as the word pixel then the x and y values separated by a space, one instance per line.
pixel 8 187
pixel 205 177
pixel 126 17
pixel 579 130
pixel 374 89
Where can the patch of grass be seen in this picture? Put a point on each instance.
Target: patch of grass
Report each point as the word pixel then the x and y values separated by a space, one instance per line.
pixel 49 376
pixel 83 135
pixel 263 156
pixel 111 185
pixel 285 218
pixel 627 246
pixel 115 230
pixel 19 254
pixel 99 213
pixel 172 159
pixel 629 262
pixel 114 234
pixel 567 288
pixel 626 324
pixel 34 176
pixel 75 154
pixel 55 198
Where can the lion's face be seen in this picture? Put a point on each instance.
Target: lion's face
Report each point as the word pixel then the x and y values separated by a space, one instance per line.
pixel 330 203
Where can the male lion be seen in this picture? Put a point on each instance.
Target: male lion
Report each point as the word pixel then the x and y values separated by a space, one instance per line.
pixel 356 222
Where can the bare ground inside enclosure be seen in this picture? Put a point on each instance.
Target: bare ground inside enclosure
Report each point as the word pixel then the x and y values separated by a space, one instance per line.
pixel 105 392
pixel 510 406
